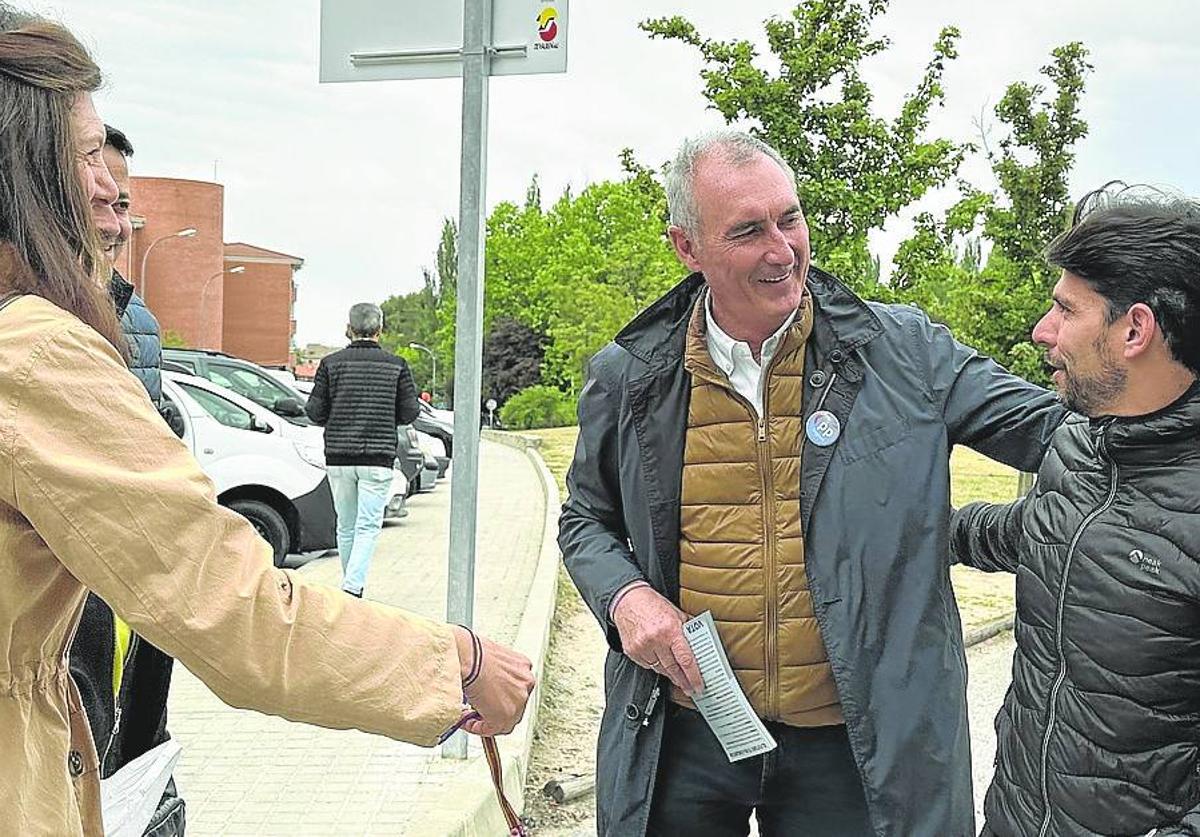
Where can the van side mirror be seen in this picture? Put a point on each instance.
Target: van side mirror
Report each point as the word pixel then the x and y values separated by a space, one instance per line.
pixel 260 426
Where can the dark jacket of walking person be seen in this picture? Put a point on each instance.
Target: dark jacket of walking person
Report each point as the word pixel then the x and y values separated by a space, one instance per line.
pixel 360 395
pixel 97 494
pixel 1099 733
pixel 817 527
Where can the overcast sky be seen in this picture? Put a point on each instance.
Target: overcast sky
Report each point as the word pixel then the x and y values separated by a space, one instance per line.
pixel 356 178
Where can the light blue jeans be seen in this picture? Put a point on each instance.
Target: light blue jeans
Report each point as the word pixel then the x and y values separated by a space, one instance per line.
pixel 360 494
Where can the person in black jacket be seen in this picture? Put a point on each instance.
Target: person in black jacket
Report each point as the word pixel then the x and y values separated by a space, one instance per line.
pixel 123 679
pixel 359 396
pixel 1100 729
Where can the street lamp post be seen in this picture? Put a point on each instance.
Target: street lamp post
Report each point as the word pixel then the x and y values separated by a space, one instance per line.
pixel 433 361
pixel 186 232
pixel 233 271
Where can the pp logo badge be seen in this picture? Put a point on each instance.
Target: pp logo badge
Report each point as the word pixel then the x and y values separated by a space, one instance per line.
pixel 822 428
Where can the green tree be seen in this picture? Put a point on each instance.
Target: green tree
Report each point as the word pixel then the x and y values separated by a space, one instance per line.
pixel 994 307
pixel 419 316
pixel 579 270
pixel 512 358
pixel 410 319
pixel 855 169
pixel 611 260
pixel 442 285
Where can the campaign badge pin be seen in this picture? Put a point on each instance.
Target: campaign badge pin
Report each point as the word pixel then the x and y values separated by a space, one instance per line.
pixel 823 428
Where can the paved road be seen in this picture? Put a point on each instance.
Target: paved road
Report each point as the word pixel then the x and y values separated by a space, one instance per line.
pixel 243 773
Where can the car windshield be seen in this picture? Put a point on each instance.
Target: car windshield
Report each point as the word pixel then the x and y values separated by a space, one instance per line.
pixel 222 409
pixel 259 388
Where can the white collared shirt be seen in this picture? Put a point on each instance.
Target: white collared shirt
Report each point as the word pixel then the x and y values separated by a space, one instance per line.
pixel 733 357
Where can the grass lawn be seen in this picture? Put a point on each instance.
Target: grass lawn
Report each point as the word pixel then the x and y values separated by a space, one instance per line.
pixel 981 596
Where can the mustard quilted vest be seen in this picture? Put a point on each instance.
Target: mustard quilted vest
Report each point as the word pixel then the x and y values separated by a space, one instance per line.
pixel 741 551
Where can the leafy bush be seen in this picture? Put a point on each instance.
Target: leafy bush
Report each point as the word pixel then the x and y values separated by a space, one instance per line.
pixel 538 406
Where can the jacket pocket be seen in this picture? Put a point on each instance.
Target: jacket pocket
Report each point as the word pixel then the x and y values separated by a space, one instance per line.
pixel 859 445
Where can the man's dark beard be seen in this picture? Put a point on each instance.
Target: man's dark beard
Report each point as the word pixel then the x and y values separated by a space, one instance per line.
pixel 1093 395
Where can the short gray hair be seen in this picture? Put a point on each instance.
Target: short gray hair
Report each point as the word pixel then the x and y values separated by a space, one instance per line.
pixel 736 147
pixel 366 319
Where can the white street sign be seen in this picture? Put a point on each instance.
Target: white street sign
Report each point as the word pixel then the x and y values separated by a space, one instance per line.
pixel 380 40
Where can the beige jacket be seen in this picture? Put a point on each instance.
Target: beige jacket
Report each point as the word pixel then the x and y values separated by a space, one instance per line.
pixel 96 493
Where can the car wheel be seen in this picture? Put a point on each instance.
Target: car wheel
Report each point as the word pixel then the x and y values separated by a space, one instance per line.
pixel 268 523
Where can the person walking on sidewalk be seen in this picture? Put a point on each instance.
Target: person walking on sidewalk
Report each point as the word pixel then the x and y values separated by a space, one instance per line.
pixel 96 493
pixel 359 396
pixel 1098 732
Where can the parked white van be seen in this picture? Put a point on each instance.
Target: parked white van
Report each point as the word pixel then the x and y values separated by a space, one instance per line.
pixel 267 470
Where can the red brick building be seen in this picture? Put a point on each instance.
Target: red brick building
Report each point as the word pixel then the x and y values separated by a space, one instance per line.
pixel 237 298
pixel 263 295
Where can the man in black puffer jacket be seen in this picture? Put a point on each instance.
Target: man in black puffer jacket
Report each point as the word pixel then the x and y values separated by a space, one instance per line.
pixel 123 680
pixel 1100 730
pixel 359 396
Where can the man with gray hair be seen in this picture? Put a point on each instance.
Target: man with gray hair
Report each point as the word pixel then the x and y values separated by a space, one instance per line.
pixel 359 396
pixel 763 445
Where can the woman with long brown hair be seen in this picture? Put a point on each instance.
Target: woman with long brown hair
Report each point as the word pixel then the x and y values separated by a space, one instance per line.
pixel 90 478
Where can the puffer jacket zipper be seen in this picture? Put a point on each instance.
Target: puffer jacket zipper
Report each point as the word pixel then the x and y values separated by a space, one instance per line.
pixel 767 481
pixel 1061 676
pixel 770 559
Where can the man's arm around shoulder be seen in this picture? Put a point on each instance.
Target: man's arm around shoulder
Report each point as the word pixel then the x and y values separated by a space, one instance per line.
pixel 985 406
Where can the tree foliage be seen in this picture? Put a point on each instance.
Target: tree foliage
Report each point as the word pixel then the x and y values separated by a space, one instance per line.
pixel 855 169
pixel 580 270
pixel 419 317
pixel 512 358
pixel 562 279
pixel 994 306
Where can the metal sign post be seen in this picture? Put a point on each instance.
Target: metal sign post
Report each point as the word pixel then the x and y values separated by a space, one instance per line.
pixel 377 40
pixel 468 337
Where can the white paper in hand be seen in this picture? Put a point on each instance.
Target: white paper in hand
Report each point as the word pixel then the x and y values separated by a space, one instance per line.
pixel 723 703
pixel 129 797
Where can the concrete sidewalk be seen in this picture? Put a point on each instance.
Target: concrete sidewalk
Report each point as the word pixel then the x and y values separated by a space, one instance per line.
pixel 243 773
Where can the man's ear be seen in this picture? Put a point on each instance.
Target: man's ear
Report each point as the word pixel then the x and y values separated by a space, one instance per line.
pixel 685 247
pixel 1141 328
